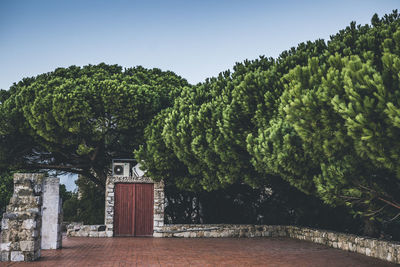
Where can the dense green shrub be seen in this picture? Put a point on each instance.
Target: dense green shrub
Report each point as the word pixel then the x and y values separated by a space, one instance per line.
pixel 6 190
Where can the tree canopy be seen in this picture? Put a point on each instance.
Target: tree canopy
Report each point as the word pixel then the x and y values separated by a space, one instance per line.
pixel 323 116
pixel 335 134
pixel 77 119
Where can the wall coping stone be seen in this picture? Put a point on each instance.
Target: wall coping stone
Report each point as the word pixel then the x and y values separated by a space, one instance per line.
pixel 75 229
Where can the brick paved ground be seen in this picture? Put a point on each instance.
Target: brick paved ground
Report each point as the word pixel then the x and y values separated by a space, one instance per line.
pixel 197 252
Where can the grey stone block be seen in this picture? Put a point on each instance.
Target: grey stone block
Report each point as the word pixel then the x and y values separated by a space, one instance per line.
pixel 29 224
pixel 102 234
pixel 4 224
pixel 5 256
pixel 93 234
pixel 109 233
pixel 17 256
pixel 5 246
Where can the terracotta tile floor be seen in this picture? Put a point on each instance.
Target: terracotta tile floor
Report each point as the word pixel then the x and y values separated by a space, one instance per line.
pixel 78 252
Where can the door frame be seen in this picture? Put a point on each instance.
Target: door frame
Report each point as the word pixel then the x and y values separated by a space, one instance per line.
pixel 158 201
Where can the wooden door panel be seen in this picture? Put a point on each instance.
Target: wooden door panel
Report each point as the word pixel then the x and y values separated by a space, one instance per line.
pixel 124 210
pixel 144 210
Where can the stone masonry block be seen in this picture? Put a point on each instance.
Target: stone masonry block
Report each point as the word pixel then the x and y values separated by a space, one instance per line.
pixel 158 217
pixel 102 234
pixel 35 233
pixel 109 233
pixel 4 224
pixel 17 256
pixel 27 245
pixel 31 256
pixel 29 224
pixel 110 186
pixel 4 256
pixel 5 246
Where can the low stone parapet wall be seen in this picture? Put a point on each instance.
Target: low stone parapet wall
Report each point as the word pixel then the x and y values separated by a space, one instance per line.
pixel 80 230
pixel 220 230
pixel 385 250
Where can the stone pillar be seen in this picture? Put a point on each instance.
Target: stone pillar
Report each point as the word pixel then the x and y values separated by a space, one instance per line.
pixel 109 212
pixel 51 214
pixel 158 206
pixel 21 224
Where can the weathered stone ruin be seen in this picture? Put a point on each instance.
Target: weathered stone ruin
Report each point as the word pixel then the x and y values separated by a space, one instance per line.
pixel 22 221
pixel 22 233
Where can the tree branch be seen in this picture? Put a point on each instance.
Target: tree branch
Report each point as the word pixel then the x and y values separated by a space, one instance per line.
pixel 72 169
pixel 393 204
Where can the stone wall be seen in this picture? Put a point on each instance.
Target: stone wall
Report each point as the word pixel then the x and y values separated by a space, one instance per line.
pixel 385 250
pixel 80 230
pixel 158 211
pixel 21 223
pixel 220 230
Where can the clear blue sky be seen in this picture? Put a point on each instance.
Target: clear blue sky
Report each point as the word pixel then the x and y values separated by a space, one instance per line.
pixel 195 39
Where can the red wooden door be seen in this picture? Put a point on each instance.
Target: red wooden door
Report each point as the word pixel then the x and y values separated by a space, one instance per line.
pixel 124 223
pixel 144 210
pixel 133 210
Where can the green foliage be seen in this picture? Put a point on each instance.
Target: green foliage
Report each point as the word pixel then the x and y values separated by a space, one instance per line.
pixel 87 205
pixel 206 129
pixel 336 133
pixel 77 119
pixel 323 117
pixel 159 161
pixel 6 190
pixel 3 95
pixel 242 204
pixel 64 194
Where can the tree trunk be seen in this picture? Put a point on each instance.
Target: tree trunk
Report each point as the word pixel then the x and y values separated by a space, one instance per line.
pixel 371 228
